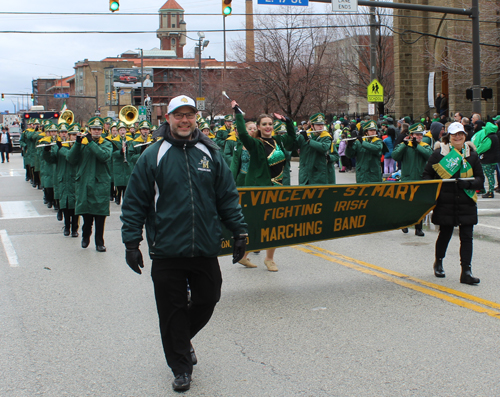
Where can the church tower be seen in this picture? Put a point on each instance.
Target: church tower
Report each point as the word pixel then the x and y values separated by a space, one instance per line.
pixel 172 31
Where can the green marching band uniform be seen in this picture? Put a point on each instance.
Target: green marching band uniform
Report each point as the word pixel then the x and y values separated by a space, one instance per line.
pixel 230 146
pixel 279 128
pixel 93 177
pixel 413 156
pixel 121 167
pixel 135 151
pixel 259 173
pixel 223 133
pixel 368 153
pixel 315 151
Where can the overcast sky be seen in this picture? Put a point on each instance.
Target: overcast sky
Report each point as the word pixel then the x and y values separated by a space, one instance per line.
pixel 27 56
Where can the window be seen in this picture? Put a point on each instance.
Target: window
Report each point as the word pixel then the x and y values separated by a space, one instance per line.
pixel 173 25
pixel 173 42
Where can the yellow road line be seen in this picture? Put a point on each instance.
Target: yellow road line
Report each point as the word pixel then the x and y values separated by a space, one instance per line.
pixel 416 280
pixel 395 278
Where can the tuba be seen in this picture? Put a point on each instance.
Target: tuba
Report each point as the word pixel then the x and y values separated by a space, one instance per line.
pixel 128 114
pixel 66 117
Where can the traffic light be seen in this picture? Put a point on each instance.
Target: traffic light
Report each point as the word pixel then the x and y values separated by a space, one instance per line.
pixel 226 7
pixel 3 97
pixel 114 5
pixel 32 97
pixel 486 93
pixel 114 95
pixel 109 96
pixel 468 94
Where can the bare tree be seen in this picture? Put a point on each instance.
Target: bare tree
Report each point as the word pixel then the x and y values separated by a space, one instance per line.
pixel 287 70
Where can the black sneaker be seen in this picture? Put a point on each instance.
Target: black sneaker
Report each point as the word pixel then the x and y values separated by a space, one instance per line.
pixel 182 382
pixel 194 359
pixel 488 195
pixel 66 232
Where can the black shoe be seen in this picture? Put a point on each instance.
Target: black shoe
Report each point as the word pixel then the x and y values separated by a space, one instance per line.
pixel 111 198
pixel 438 268
pixel 49 204
pixel 85 242
pixel 488 195
pixel 39 187
pixel 194 359
pixel 66 232
pixel 182 382
pixel 100 248
pixel 467 278
pixel 59 216
pixel 118 200
pixel 419 232
pixel 45 201
pixel 404 230
pixel 74 234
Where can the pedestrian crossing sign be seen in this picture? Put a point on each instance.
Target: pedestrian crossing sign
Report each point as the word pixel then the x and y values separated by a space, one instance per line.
pixel 375 91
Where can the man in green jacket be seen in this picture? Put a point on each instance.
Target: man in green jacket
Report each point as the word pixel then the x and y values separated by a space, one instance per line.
pixel 368 152
pixel 92 154
pixel 314 152
pixel 223 132
pixel 182 189
pixel 413 154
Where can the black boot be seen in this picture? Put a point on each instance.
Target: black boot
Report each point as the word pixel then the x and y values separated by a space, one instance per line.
pixel 118 200
pixel 60 216
pixel 466 276
pixel 438 268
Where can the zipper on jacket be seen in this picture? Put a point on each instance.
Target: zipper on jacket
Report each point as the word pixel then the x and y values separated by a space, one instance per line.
pixel 192 199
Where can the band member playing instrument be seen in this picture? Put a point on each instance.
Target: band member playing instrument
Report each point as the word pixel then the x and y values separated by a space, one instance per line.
pixel 121 165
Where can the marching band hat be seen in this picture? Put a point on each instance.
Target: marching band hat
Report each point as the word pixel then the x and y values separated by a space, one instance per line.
pixel 318 118
pixel 95 122
pixel 36 121
pixel 52 127
pixel 203 124
pixel 74 129
pixel 417 128
pixel 179 101
pixel 108 120
pixel 145 124
pixel 121 124
pixel 279 127
pixel 228 117
pixel 63 127
pixel 369 125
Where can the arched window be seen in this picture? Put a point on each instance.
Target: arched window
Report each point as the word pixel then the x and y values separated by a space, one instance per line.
pixel 173 42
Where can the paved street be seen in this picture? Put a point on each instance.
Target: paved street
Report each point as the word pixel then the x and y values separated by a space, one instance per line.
pixel 359 316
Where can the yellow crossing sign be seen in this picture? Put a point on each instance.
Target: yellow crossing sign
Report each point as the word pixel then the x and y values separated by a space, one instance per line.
pixel 375 91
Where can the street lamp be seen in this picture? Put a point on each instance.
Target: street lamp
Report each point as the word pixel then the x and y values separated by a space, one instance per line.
pixel 142 75
pixel 201 46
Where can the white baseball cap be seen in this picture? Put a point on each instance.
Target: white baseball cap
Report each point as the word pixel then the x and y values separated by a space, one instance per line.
pixel 179 101
pixel 455 127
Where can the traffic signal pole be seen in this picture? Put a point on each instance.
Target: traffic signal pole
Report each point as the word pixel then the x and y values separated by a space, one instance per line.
pixel 472 12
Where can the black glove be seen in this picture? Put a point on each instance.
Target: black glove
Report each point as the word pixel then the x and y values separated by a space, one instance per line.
pixel 47 148
pixel 79 138
pixel 59 144
pixel 305 135
pixel 359 138
pixel 133 256
pixel 89 137
pixel 463 184
pixel 405 141
pixel 240 242
pixel 414 143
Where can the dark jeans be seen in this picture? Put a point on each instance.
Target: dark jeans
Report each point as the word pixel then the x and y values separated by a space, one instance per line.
pixel 71 220
pixel 466 235
pixel 4 149
pixel 179 323
pixel 88 220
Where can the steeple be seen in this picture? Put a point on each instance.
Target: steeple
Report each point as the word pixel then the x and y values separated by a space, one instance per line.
pixel 172 31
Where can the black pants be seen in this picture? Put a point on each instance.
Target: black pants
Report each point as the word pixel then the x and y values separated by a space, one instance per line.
pixel 466 235
pixel 71 220
pixel 49 194
pixel 178 321
pixel 4 149
pixel 120 192
pixel 88 220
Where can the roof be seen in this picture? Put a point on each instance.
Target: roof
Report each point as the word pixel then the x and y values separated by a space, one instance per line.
pixel 180 63
pixel 171 5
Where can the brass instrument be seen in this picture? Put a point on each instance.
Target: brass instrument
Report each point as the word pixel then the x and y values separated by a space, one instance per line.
pixel 66 117
pixel 124 148
pixel 128 114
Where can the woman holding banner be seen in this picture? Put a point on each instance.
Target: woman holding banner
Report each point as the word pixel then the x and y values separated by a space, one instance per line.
pixel 456 204
pixel 267 156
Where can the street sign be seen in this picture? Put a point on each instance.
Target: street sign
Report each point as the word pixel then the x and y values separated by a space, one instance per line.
pixel 375 91
pixel 285 2
pixel 111 113
pixel 65 95
pixel 371 109
pixel 142 110
pixel 200 103
pixel 345 5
